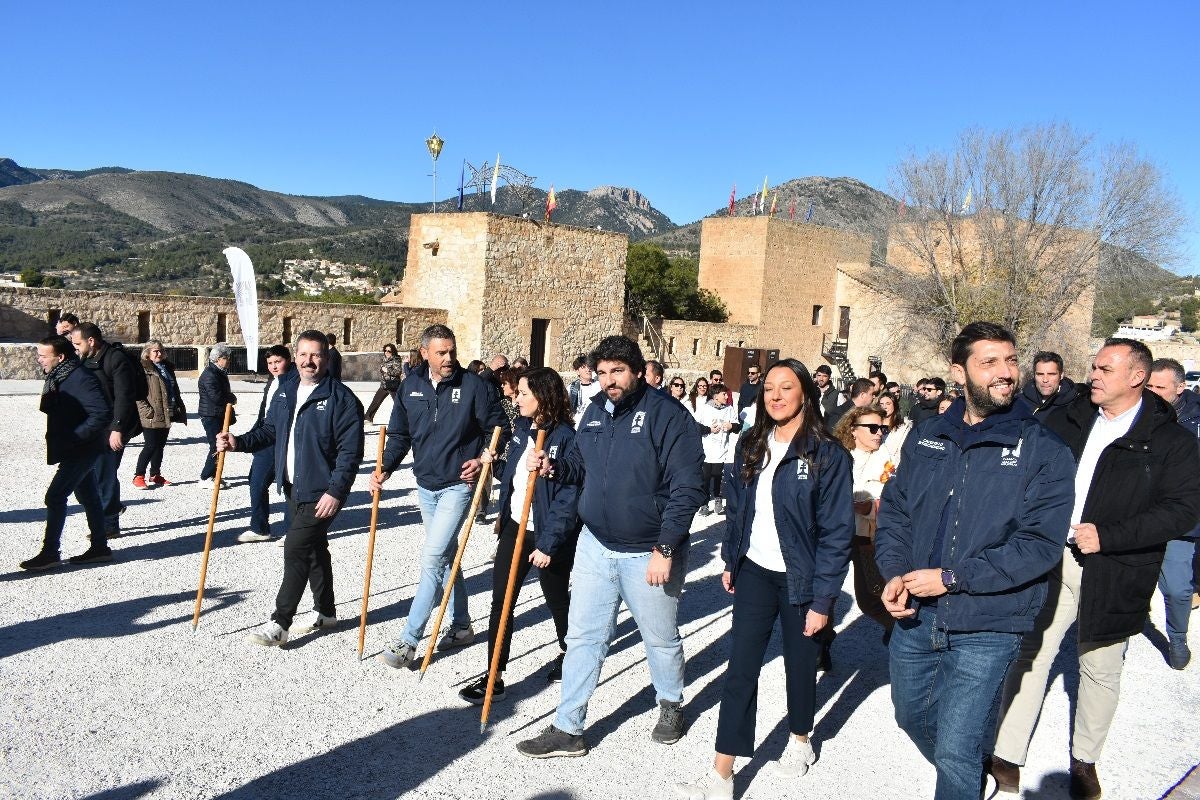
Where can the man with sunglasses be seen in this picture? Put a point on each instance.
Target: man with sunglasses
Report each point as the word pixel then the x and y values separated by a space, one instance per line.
pixel 749 390
pixel 930 392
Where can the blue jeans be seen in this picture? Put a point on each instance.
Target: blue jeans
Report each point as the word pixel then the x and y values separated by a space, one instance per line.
pixel 946 691
pixel 78 475
pixel 600 580
pixel 109 486
pixel 262 474
pixel 443 513
pixel 212 426
pixel 1175 582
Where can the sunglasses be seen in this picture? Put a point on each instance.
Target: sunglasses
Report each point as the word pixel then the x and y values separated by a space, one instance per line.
pixel 873 427
pixel 679 385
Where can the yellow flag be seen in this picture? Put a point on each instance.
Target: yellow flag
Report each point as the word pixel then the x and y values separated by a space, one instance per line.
pixel 764 192
pixel 774 200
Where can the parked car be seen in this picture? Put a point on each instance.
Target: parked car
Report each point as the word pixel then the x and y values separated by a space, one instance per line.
pixel 1193 380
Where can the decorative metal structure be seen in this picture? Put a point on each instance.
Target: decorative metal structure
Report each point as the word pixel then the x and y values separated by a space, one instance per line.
pixel 434 144
pixel 520 183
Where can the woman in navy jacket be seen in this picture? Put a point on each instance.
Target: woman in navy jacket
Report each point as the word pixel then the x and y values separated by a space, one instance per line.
pixel 553 528
pixel 786 553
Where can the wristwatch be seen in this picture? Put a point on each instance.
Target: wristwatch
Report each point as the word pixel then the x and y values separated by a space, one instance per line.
pixel 949 580
pixel 665 550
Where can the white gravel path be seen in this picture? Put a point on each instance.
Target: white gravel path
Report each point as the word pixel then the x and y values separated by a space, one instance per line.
pixel 106 693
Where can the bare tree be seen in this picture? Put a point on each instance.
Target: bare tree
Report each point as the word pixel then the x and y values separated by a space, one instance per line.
pixel 1018 226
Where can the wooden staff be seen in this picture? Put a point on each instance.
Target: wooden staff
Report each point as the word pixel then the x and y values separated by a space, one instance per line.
pixel 212 519
pixel 511 589
pixel 362 622
pixel 482 484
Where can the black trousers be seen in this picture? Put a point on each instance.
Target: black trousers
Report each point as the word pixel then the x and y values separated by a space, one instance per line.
pixel 555 580
pixel 377 400
pixel 761 596
pixel 154 441
pixel 305 561
pixel 712 479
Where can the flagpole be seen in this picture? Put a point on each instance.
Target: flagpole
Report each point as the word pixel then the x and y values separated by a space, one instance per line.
pixel 434 144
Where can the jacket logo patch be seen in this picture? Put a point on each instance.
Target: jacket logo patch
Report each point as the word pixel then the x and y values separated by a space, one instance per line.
pixel 415 394
pixel 1010 455
pixel 801 470
pixel 932 444
pixel 321 405
pixel 638 419
pixel 595 423
pixel 455 394
pixel 553 454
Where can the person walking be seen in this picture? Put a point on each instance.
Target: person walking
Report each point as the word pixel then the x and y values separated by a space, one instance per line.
pixel 314 427
pixel 281 373
pixel 156 413
pixel 553 527
pixel 166 370
pixel 214 394
pixel 335 357
pixel 391 374
pixel 968 529
pixel 719 426
pixel 786 553
pixel 78 422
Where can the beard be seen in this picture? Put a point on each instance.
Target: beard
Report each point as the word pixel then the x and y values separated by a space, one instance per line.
pixel 981 400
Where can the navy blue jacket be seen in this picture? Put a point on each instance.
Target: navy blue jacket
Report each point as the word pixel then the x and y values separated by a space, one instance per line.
pixel 1066 394
pixel 555 520
pixel 78 416
pixel 214 390
pixel 814 515
pixel 1188 412
pixel 292 375
pixel 445 428
pixel 1010 486
pixel 640 469
pixel 329 439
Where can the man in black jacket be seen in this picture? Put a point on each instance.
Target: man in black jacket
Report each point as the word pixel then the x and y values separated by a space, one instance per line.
pixel 1048 389
pixel 862 394
pixel 214 395
pixel 1137 486
pixel 823 377
pixel 930 393
pixel 78 416
pixel 115 370
pixel 315 429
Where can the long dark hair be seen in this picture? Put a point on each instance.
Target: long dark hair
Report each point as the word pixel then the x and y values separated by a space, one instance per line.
pixel 755 454
pixel 547 387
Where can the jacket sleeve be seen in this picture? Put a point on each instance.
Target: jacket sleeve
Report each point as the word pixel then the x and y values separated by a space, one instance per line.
pixel 262 435
pixel 563 501
pixel 95 406
pixel 490 415
pixel 399 438
pixel 229 396
pixel 348 443
pixel 1176 504
pixel 893 534
pixel 835 528
pixel 680 459
pixel 125 413
pixel 735 497
pixel 1036 546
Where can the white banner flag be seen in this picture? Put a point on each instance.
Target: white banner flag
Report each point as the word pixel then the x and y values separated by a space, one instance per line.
pixel 245 297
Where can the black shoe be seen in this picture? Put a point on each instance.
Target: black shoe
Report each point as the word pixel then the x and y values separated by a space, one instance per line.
pixel 1178 655
pixel 555 673
pixel 93 555
pixel 43 560
pixel 669 729
pixel 112 533
pixel 552 743
pixel 1084 783
pixel 476 693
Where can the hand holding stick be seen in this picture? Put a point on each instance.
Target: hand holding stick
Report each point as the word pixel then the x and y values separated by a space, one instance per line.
pixel 212 518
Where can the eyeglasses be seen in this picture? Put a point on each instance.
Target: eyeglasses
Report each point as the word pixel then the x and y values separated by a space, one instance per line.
pixel 678 385
pixel 873 427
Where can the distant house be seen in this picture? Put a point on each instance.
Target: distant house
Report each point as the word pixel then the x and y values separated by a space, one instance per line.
pixel 1147 328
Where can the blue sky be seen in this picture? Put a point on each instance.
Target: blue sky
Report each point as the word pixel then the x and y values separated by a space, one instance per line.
pixel 676 100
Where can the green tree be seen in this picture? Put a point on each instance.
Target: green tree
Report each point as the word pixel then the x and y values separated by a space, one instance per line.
pixel 658 286
pixel 1187 313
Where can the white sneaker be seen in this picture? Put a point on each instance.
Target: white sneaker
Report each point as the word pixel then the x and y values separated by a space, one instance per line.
pixel 796 759
pixel 710 787
pixel 282 540
pixel 253 536
pixel 271 635
pixel 456 637
pixel 317 622
pixel 207 483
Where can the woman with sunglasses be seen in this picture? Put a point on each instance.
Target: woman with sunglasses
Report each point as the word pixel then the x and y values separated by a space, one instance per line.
pixel 786 553
pixel 391 373
pixel 862 431
pixel 698 396
pixel 677 388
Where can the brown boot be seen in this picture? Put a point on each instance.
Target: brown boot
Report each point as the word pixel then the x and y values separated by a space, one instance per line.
pixel 1084 783
pixel 1006 773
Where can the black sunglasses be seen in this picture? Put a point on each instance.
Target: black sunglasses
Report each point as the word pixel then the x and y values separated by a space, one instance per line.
pixel 872 427
pixel 679 385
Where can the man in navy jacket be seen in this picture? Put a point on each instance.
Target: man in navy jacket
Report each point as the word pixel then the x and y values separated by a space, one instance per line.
pixel 445 415
pixel 316 428
pixel 78 416
pixel 637 458
pixel 974 519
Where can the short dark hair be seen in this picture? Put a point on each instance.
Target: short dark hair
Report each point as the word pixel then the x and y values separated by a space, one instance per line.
pixel 507 376
pixel 68 317
pixel 60 344
pixel 937 383
pixel 314 335
pixel 89 330
pixel 390 346
pixel 1161 364
pixel 860 386
pixel 877 374
pixel 656 367
pixel 887 387
pixel 960 348
pixel 331 338
pixel 279 351
pixel 714 371
pixel 438 331
pixel 580 361
pixel 824 369
pixel 715 389
pixel 1138 351
pixel 1047 357
pixel 618 348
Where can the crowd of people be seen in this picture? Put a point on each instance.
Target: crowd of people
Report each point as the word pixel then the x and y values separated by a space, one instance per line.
pixel 981 519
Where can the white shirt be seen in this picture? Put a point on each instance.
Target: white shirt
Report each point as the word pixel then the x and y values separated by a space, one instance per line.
pixel 271 393
pixel 764 536
pixel 1104 432
pixel 302 394
pixel 718 447
pixel 516 503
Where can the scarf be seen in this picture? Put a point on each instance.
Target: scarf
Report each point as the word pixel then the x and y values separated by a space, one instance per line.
pixel 55 377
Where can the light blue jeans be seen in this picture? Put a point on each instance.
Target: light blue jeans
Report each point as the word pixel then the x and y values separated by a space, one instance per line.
pixel 600 580
pixel 442 513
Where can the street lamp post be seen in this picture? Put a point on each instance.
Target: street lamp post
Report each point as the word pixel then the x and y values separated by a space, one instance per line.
pixel 434 143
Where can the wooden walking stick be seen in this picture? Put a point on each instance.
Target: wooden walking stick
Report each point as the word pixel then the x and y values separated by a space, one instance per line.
pixel 483 484
pixel 212 519
pixel 362 622
pixel 511 589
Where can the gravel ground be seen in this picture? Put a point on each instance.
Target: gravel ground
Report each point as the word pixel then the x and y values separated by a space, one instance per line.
pixel 107 692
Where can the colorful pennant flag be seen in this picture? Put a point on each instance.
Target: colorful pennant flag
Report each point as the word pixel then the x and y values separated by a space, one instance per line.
pixel 774 200
pixel 792 209
pixel 551 203
pixel 808 214
pixel 495 178
pixel 732 200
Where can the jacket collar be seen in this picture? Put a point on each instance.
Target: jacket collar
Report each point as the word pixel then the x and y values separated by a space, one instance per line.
pixel 1002 427
pixel 627 402
pixel 1155 412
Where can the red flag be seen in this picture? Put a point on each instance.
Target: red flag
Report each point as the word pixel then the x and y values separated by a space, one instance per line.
pixel 732 199
pixel 792 209
pixel 551 203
